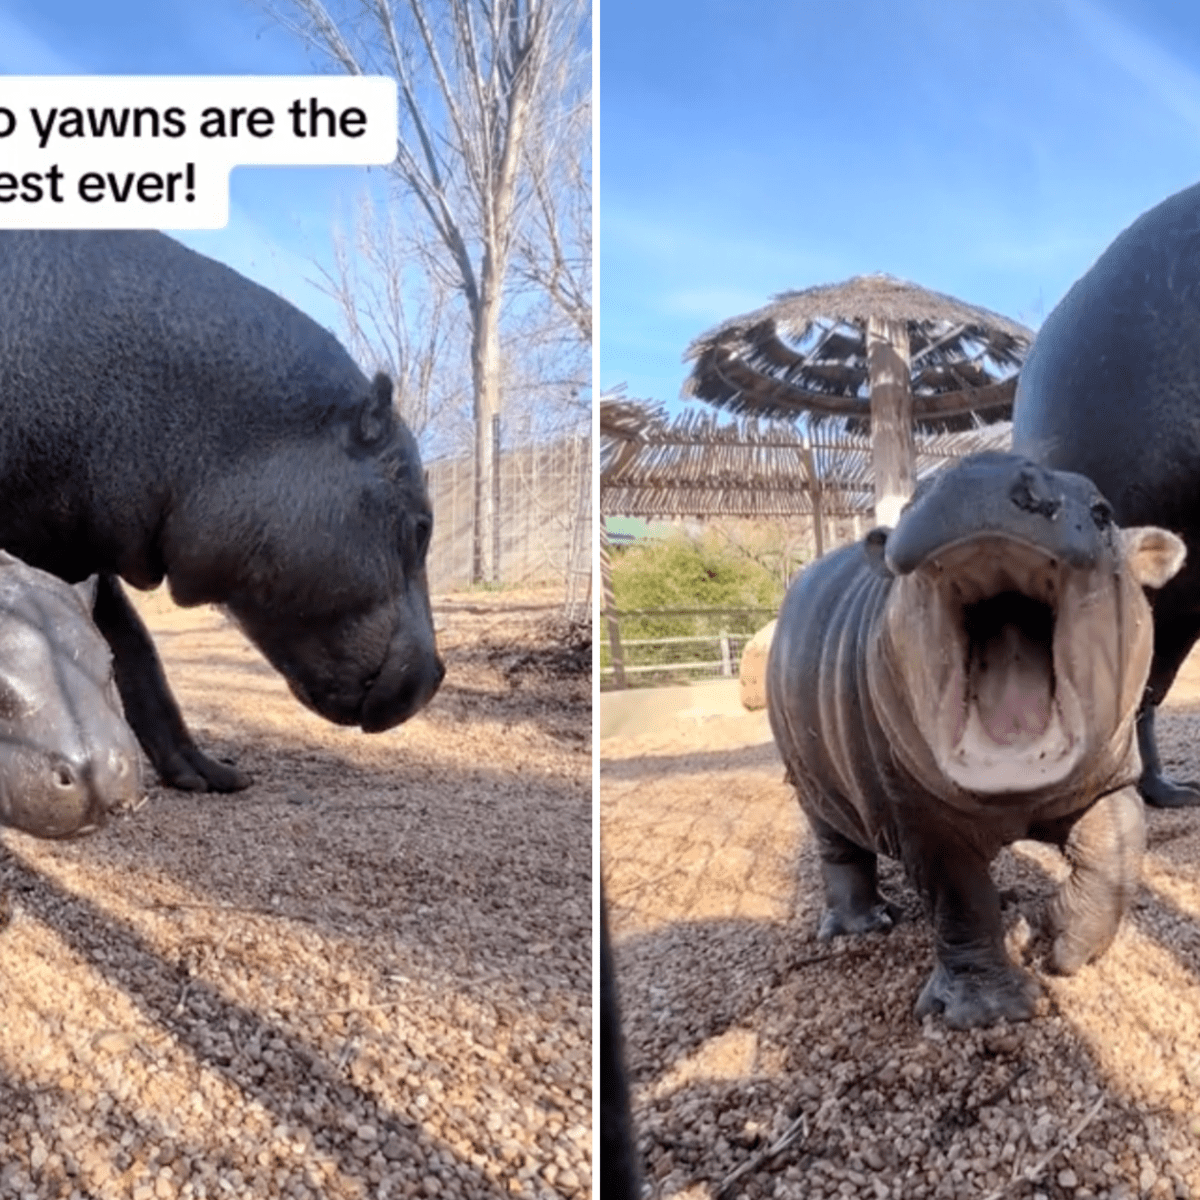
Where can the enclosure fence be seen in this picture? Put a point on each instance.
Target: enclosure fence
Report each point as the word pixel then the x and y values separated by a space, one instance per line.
pixel 545 519
pixel 713 651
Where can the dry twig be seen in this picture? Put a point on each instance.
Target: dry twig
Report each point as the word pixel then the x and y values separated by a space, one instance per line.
pixel 797 1127
pixel 1031 1174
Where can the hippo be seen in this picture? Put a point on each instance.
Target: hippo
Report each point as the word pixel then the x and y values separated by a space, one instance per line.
pixel 969 678
pixel 619 1175
pixel 67 758
pixel 1111 389
pixel 167 418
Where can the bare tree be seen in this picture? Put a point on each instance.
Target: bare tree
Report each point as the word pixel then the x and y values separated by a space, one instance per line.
pixel 475 77
pixel 399 317
pixel 553 253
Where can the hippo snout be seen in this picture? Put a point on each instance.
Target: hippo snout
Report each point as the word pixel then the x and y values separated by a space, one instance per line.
pixel 57 796
pixel 1002 495
pixel 403 688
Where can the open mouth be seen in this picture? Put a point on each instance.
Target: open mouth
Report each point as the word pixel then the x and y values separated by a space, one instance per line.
pixel 1007 714
pixel 1010 667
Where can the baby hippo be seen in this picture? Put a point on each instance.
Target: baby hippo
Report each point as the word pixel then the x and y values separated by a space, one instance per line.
pixel 67 757
pixel 972 677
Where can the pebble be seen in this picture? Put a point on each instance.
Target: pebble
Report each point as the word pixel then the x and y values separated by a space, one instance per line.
pixel 162 1020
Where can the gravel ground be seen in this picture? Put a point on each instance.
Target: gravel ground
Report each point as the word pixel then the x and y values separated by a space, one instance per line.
pixel 368 976
pixel 765 1064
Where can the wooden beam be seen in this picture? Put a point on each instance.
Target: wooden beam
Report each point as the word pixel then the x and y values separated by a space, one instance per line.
pixel 892 448
pixel 814 491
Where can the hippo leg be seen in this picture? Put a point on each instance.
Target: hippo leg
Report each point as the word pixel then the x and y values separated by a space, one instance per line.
pixel 1157 790
pixel 1174 636
pixel 150 708
pixel 1104 848
pixel 852 900
pixel 973 983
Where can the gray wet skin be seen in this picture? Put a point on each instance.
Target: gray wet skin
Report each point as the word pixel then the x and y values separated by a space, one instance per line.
pixel 68 760
pixel 1111 389
pixel 965 680
pixel 167 418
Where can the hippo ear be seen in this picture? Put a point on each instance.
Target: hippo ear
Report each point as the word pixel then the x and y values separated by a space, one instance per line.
pixel 875 548
pixel 376 416
pixel 1153 555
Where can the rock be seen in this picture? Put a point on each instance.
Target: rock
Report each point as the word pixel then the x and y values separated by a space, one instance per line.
pixel 752 673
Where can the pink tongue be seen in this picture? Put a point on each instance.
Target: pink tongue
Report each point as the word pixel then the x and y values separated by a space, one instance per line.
pixel 1010 680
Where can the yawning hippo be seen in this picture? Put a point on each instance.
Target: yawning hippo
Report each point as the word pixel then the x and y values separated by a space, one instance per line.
pixel 67 757
pixel 164 417
pixel 967 679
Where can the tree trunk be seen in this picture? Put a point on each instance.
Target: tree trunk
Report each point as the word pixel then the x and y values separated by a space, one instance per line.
pixel 485 363
pixel 892 448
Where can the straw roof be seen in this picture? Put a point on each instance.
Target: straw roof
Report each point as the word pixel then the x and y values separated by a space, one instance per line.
pixel 805 352
pixel 698 465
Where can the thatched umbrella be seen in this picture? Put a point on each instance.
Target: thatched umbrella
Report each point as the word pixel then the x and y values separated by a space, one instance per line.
pixel 872 351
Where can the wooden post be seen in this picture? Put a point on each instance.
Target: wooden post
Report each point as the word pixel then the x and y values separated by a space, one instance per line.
pixel 818 503
pixel 614 628
pixel 892 449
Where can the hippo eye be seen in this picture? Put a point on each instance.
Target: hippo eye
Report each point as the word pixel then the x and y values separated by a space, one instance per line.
pixel 1102 513
pixel 423 531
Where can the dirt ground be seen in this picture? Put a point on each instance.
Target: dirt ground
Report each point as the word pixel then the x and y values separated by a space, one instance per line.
pixel 766 1064
pixel 368 976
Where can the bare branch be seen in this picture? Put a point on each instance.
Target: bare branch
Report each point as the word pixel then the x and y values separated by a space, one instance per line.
pixel 486 88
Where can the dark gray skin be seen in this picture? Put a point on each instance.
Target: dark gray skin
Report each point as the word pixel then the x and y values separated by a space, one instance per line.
pixel 1111 390
pixel 619 1172
pixel 67 758
pixel 968 679
pixel 167 418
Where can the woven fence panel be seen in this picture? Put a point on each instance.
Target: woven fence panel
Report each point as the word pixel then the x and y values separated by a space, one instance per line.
pixel 545 519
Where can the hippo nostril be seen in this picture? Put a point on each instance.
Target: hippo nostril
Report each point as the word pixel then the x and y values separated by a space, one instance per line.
pixel 64 775
pixel 1031 493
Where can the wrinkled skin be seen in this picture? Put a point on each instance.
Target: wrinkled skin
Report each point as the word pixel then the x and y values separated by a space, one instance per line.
pixel 1111 390
pixel 965 680
pixel 67 758
pixel 166 418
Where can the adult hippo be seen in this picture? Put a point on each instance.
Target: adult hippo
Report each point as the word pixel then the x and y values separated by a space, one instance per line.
pixel 164 417
pixel 67 758
pixel 967 679
pixel 1111 389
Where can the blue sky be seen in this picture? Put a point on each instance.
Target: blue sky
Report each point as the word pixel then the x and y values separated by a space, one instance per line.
pixel 281 218
pixel 990 151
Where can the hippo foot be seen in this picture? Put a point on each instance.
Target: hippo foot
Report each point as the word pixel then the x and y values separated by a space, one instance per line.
pixel 1160 792
pixel 879 918
pixel 1068 954
pixel 969 998
pixel 190 770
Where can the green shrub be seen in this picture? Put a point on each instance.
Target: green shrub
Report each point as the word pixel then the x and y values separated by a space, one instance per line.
pixel 688 573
